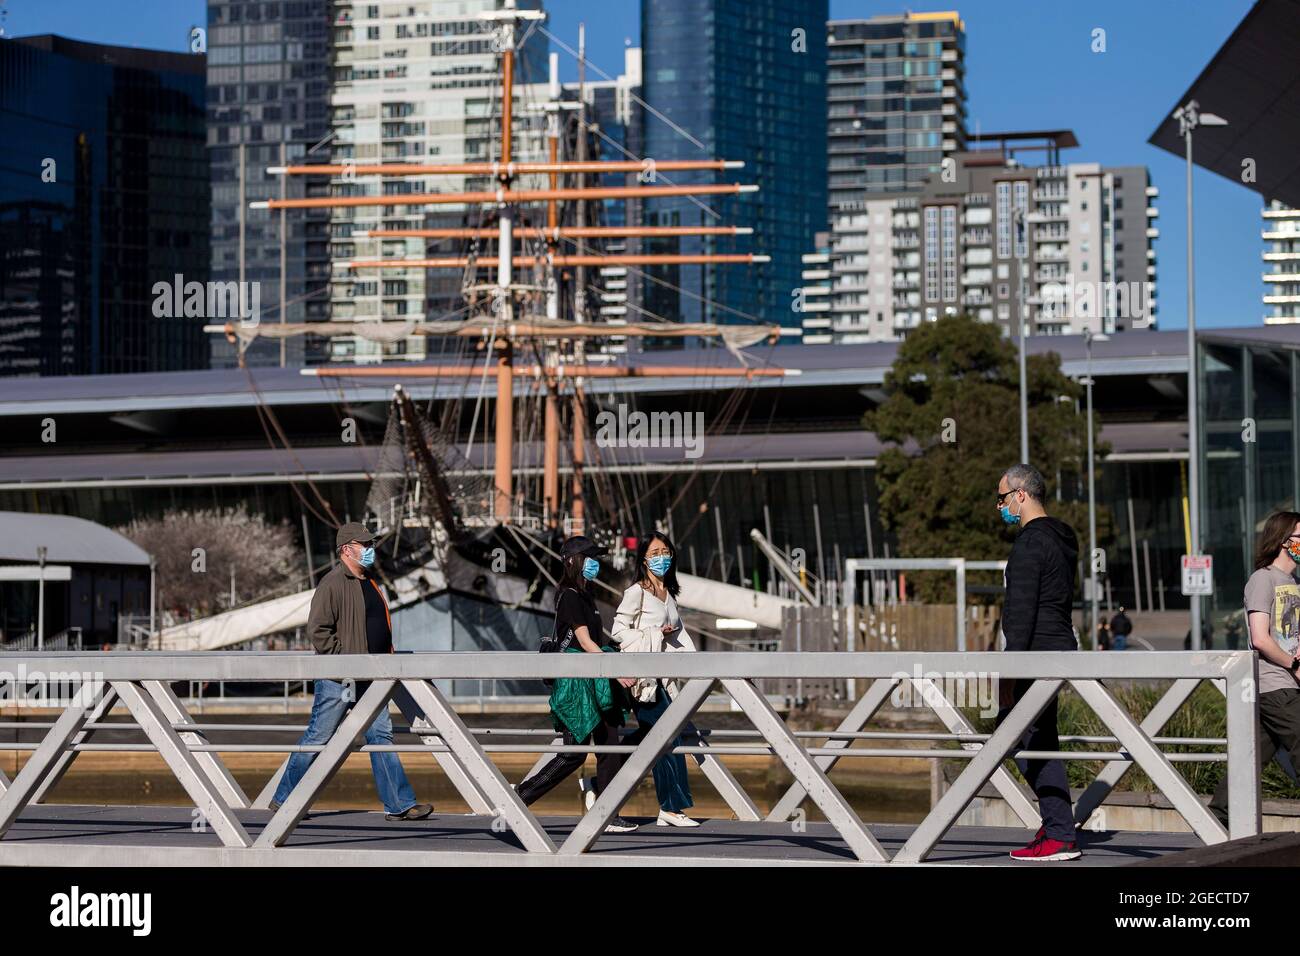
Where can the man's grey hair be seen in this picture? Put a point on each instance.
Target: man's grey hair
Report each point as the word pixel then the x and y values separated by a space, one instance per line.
pixel 1026 478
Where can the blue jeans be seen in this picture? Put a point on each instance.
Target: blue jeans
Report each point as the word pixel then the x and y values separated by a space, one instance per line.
pixel 672 788
pixel 328 708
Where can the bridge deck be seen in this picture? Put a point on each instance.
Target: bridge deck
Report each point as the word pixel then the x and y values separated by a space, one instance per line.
pixel 54 835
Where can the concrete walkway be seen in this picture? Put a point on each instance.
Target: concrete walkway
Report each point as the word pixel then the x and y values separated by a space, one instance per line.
pixel 64 835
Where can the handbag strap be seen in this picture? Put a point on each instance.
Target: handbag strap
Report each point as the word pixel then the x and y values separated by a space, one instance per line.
pixel 636 621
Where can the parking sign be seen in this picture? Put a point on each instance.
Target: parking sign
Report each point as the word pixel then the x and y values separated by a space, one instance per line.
pixel 1198 574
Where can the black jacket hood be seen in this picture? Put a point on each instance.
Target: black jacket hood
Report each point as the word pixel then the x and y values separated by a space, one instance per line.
pixel 1057 529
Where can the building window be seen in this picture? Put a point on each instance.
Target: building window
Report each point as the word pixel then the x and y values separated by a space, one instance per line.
pixel 931 253
pixel 1022 206
pixel 1004 220
pixel 948 220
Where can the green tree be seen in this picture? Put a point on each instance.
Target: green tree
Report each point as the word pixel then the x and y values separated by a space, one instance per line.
pixel 951 417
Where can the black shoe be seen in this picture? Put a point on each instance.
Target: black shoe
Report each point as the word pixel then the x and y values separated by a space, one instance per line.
pixel 619 825
pixel 417 812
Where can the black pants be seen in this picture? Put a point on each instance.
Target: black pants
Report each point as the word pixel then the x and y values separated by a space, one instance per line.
pixel 1046 778
pixel 1279 729
pixel 554 772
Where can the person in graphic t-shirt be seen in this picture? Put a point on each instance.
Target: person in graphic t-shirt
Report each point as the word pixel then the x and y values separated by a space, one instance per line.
pixel 1273 619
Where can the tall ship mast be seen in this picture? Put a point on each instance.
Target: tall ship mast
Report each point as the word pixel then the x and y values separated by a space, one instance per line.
pixel 448 527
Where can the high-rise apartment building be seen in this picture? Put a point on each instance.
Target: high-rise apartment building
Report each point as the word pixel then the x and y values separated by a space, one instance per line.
pixel 736 80
pixel 268 101
pixel 1078 235
pixel 895 101
pixel 1282 259
pixel 895 110
pixel 417 82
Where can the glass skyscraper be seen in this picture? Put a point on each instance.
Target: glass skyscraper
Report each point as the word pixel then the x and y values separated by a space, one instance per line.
pixel 268 91
pixel 737 80
pixel 103 194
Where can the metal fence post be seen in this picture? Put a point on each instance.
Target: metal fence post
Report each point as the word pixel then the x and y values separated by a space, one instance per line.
pixel 1242 693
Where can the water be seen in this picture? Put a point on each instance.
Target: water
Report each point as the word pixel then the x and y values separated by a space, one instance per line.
pixel 877 798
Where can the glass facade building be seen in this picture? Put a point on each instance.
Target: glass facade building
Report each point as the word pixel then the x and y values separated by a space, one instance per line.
pixel 103 194
pixel 1250 442
pixel 736 80
pixel 268 103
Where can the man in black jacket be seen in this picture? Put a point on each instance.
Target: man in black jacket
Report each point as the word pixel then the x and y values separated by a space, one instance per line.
pixel 1036 616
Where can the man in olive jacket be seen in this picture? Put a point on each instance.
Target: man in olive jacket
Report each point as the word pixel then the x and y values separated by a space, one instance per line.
pixel 349 615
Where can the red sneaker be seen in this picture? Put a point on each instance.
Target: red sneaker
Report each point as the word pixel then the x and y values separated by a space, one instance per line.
pixel 1047 850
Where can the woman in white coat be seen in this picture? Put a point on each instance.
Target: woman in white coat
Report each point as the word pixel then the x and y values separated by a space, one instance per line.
pixel 648 621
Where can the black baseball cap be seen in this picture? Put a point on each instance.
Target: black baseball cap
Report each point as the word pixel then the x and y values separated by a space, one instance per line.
pixel 579 544
pixel 353 531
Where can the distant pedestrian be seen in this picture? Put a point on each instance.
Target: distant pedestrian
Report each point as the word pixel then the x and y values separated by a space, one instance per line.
pixel 1103 636
pixel 1121 626
pixel 1036 616
pixel 349 615
pixel 1207 637
pixel 587 710
pixel 1272 600
pixel 1232 633
pixel 648 620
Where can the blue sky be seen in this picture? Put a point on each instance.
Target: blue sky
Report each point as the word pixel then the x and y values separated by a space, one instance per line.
pixel 1029 66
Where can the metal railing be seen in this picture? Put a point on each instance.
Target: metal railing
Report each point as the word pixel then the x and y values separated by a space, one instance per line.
pixel 69 639
pixel 141 683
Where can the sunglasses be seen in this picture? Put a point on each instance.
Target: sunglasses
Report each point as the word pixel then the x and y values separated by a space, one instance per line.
pixel 1003 494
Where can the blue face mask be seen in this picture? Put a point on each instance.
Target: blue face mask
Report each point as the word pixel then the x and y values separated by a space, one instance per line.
pixel 590 568
pixel 367 557
pixel 659 564
pixel 1007 516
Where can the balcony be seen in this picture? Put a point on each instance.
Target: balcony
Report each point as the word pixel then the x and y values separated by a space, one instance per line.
pixel 977 237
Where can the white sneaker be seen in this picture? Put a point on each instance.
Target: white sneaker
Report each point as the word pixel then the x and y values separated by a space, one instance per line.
pixel 619 825
pixel 668 818
pixel 587 785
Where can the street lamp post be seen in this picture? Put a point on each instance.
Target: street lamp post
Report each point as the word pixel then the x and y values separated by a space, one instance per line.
pixel 1088 338
pixel 1189 118
pixel 41 552
pixel 1018 221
